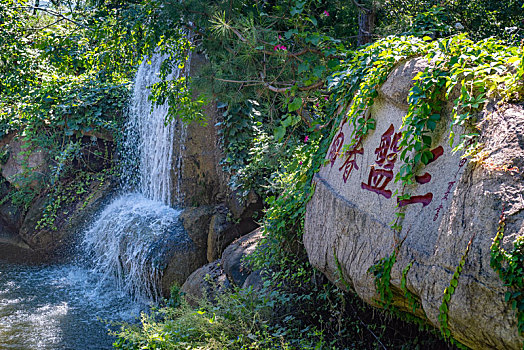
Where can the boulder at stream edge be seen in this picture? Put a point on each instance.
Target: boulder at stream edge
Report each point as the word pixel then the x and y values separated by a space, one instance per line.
pixel 453 202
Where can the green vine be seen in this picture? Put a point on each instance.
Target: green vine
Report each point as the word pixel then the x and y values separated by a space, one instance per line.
pixel 410 297
pixel 339 270
pixel 448 293
pixel 382 272
pixel 66 194
pixel 510 267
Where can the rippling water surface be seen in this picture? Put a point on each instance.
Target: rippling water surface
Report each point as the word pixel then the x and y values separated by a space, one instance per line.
pixel 58 307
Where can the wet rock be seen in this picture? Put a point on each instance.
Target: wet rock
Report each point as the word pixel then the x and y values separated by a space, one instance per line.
pixel 233 257
pixel 219 236
pixel 180 258
pixel 254 280
pixel 208 281
pixel 452 203
pixel 53 241
pixel 200 179
pixel 220 275
pixel 9 213
pixel 196 222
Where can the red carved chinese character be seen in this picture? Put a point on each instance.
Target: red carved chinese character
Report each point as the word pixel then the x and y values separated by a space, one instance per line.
pixel 350 162
pixel 378 179
pixel 335 148
pixel 423 179
pixel 387 151
pixel 425 200
pixel 437 152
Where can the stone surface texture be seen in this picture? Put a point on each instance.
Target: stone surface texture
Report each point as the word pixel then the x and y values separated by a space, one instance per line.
pixel 20 168
pixel 208 281
pixel 220 275
pixel 196 222
pixel 49 244
pixel 233 257
pixel 201 179
pixel 350 213
pixel 180 257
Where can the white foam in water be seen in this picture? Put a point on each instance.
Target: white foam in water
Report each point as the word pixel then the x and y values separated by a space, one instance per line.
pixel 121 242
pixel 58 308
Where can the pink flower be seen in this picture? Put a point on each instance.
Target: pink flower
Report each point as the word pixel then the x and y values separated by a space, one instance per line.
pixel 280 37
pixel 276 47
pixel 300 162
pixel 279 47
pixel 306 138
pixel 316 105
pixel 325 98
pixel 326 13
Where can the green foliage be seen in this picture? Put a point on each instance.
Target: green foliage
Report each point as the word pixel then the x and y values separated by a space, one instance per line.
pixel 510 267
pixel 237 319
pixel 482 70
pixel 487 69
pixel 480 18
pixel 355 85
pixel 65 75
pixel 62 198
pixel 431 23
pixel 448 293
pixel 410 297
pixel 382 273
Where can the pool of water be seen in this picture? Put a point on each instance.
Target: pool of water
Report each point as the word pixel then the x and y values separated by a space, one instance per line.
pixel 58 307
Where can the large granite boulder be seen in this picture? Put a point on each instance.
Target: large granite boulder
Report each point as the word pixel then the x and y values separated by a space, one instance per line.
pixel 453 202
pixel 233 258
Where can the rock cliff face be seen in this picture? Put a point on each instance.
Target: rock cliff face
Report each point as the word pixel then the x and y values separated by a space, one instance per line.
pixel 214 216
pixel 201 180
pixel 453 202
pixel 22 239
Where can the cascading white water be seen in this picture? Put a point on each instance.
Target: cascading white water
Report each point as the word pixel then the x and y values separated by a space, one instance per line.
pixel 149 153
pixel 122 240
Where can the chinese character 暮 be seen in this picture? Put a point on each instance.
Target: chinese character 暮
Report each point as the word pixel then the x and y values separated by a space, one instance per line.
pixel 335 148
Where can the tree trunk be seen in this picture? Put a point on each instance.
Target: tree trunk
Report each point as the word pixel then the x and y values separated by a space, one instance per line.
pixel 366 24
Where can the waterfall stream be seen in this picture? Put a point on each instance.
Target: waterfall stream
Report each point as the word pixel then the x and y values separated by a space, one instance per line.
pixel 116 272
pixel 120 240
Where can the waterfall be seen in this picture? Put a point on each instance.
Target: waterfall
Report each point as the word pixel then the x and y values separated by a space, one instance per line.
pixel 148 146
pixel 121 242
